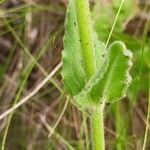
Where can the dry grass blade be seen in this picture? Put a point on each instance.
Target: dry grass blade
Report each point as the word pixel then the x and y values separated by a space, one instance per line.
pixel 60 116
pixel 58 136
pixel 31 94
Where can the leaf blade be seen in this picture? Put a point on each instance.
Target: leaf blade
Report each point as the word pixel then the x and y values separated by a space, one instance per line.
pixel 112 83
pixel 73 71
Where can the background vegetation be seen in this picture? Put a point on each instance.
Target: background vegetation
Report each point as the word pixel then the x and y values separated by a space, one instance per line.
pixel 31 42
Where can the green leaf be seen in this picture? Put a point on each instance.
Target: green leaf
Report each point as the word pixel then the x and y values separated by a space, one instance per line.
pixel 73 72
pixel 110 82
pixel 111 79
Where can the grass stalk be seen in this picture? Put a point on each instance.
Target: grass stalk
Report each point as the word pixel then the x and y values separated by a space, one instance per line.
pixel 148 117
pixel 121 126
pixel 114 23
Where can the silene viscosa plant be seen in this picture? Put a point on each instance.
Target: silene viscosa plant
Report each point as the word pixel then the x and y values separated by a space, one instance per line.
pixel 93 74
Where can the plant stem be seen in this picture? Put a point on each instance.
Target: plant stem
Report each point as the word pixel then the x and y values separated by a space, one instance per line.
pixel 89 61
pixel 86 39
pixel 97 123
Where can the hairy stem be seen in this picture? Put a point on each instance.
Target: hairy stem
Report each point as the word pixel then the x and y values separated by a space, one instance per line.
pixel 89 61
pixel 98 128
pixel 86 39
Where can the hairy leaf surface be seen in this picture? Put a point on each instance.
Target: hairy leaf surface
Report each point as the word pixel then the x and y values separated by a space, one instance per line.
pixel 73 72
pixel 111 81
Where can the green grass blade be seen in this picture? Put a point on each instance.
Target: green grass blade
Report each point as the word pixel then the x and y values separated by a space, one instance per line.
pixel 25 74
pixel 148 117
